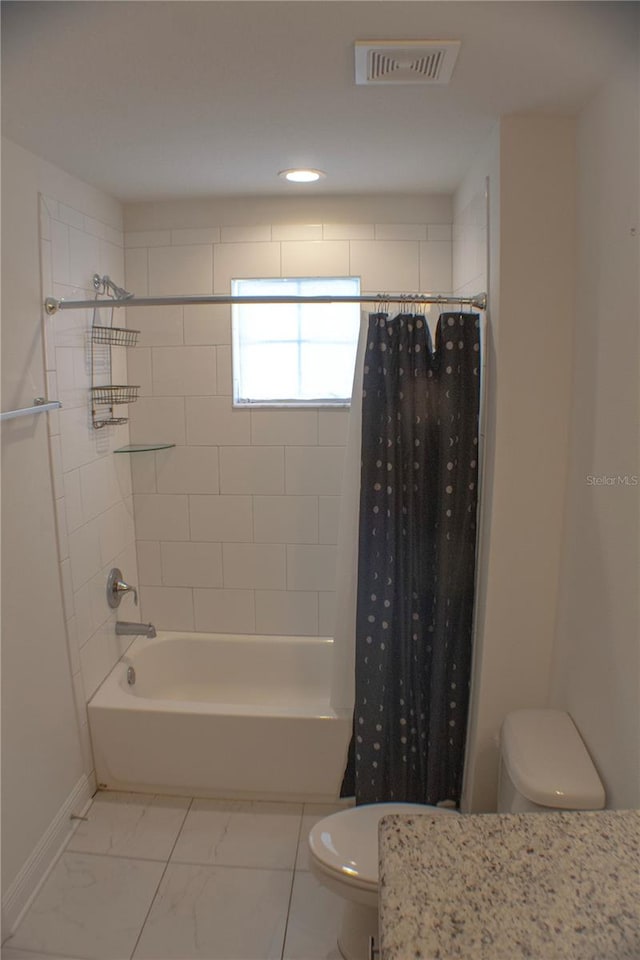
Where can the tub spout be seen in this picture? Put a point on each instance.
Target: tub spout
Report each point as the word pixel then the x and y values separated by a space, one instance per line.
pixel 126 629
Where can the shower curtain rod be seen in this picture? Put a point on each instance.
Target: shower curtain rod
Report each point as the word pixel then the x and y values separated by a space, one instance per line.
pixel 52 305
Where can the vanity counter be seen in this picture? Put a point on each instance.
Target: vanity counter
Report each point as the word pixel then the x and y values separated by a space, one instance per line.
pixel 553 886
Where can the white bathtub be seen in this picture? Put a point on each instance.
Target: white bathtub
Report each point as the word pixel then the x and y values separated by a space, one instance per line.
pixel 221 716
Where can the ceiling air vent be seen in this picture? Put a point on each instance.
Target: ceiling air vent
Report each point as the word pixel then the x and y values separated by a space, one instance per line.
pixel 405 61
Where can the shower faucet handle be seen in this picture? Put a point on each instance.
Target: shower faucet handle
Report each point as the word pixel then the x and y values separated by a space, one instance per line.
pixel 117 587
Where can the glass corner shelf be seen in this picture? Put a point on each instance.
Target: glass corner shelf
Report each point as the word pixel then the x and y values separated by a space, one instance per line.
pixel 143 447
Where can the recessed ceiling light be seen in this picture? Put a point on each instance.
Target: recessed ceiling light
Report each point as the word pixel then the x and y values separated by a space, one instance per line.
pixel 302 176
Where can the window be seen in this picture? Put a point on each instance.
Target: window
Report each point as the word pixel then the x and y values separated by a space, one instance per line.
pixel 295 354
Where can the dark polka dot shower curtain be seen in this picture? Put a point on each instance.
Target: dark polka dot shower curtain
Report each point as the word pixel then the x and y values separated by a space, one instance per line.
pixel 416 565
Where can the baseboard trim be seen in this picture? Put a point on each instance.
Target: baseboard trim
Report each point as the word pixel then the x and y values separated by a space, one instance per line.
pixel 26 885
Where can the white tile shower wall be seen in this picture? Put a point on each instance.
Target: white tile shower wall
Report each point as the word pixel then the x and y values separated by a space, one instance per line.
pixel 237 525
pixel 94 497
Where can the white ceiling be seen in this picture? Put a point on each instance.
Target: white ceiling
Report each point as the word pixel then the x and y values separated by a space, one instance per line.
pixel 150 100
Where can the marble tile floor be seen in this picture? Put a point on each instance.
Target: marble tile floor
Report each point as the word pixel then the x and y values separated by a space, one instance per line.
pixel 169 878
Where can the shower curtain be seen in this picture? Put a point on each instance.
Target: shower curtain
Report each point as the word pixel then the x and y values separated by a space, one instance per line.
pixel 416 559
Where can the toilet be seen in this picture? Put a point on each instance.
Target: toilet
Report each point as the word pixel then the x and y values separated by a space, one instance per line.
pixel 544 766
pixel 344 858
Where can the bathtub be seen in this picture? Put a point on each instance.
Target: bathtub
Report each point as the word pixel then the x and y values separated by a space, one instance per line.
pixel 221 716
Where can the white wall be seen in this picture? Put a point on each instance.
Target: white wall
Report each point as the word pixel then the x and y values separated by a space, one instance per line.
pixel 557 605
pixel 470 233
pixel 596 666
pixel 475 267
pixel 44 761
pixel 531 165
pixel 237 525
pixel 304 209
pixel 92 485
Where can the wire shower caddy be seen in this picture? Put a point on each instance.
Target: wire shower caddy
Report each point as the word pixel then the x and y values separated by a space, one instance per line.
pixel 108 395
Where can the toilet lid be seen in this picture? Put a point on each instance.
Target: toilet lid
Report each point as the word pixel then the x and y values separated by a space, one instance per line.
pixel 347 841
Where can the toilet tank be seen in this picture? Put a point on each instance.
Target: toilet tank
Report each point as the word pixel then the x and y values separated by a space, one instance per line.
pixel 544 765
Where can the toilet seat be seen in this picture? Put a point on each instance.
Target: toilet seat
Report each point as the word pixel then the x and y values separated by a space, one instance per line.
pixel 344 858
pixel 345 844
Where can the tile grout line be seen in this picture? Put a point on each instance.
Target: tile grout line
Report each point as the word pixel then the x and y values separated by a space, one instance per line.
pixel 183 863
pixel 111 856
pixel 293 879
pixel 230 866
pixel 155 894
pixel 45 956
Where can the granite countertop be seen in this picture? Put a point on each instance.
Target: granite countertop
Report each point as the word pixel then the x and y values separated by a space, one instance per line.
pixel 552 886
